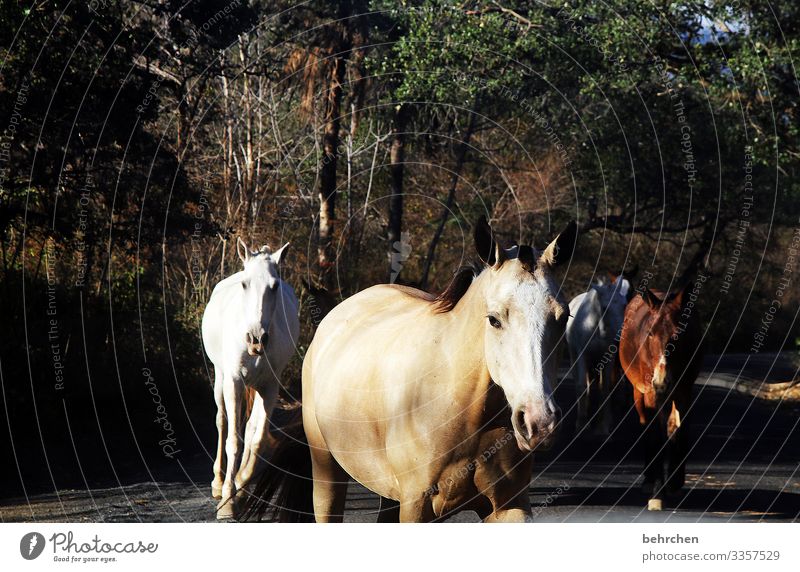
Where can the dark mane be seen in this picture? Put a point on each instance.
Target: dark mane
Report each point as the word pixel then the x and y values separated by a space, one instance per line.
pixel 458 286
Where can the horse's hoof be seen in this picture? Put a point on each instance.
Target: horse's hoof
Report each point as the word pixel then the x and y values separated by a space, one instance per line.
pixel 225 510
pixel 216 492
pixel 654 504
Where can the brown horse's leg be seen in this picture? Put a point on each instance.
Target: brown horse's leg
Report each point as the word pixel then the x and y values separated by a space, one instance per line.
pixel 389 510
pixel 678 446
pixel 652 444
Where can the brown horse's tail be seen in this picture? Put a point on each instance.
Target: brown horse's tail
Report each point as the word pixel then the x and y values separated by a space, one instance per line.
pixel 284 489
pixel 249 397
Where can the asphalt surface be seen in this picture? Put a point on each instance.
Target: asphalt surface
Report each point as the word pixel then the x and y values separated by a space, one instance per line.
pixel 744 466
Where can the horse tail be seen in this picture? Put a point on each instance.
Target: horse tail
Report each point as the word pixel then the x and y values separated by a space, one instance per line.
pixel 285 488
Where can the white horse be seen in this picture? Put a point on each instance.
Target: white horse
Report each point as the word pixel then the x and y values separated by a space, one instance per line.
pixel 250 328
pixel 593 332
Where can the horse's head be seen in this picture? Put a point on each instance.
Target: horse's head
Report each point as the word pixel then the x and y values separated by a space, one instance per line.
pixel 659 332
pixel 260 283
pixel 524 322
pixel 612 297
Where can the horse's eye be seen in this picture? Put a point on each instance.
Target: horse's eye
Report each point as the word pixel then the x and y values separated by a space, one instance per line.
pixel 244 285
pixel 495 323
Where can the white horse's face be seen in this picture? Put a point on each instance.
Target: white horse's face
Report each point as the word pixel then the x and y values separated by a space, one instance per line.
pixel 525 321
pixel 613 298
pixel 260 283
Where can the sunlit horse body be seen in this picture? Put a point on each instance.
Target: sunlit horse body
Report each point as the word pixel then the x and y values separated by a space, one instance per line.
pixel 593 333
pixel 250 328
pixel 661 353
pixel 435 404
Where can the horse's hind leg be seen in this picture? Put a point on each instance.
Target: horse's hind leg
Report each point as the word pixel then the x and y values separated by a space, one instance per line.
pixel 330 486
pixel 389 510
pixel 330 479
pixel 219 461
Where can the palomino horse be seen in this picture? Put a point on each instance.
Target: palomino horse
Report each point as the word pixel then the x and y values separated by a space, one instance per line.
pixel 593 332
pixel 433 403
pixel 250 327
pixel 661 355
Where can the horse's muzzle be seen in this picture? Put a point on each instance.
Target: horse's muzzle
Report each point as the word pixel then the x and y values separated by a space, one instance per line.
pixel 535 427
pixel 255 345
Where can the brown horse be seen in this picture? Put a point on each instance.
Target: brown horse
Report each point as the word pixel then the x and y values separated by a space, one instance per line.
pixel 661 355
pixel 433 403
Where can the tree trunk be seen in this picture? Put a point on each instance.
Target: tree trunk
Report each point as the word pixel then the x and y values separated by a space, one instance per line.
pixel 397 158
pixel 327 191
pixel 461 154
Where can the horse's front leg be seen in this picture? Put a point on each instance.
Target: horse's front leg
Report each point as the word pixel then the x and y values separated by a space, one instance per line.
pixel 219 461
pixel 418 509
pixel 389 510
pixel 233 393
pixel 515 514
pixel 677 433
pixel 655 443
pixel 504 479
pixel 518 509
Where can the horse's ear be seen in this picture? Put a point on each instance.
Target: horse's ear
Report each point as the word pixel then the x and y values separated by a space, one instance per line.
pixel 650 299
pixel 242 250
pixel 280 254
pixel 484 243
pixel 561 249
pixel 500 255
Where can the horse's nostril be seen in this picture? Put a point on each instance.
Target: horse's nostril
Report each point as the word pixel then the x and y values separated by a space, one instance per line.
pixel 249 338
pixel 521 420
pixel 531 425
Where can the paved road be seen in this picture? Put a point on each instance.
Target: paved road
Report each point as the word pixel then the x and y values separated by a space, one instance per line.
pixel 743 467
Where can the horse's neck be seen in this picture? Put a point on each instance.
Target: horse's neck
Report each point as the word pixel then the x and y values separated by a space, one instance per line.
pixel 464 334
